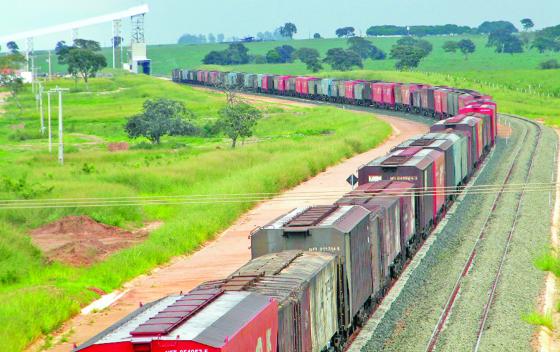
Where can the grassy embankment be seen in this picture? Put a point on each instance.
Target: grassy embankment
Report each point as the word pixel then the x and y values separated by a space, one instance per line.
pixel 291 144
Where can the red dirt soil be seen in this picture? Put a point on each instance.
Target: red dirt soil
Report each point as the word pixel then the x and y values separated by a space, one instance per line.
pixel 228 252
pixel 80 240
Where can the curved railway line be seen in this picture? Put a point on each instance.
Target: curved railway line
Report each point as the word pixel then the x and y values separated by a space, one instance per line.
pixel 468 267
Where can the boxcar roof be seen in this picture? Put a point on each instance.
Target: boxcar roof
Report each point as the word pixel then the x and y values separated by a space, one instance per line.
pixel 343 218
pixel 220 319
pixel 421 159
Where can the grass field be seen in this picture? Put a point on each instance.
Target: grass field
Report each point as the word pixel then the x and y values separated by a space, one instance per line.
pixel 291 144
pixel 167 57
pixel 514 80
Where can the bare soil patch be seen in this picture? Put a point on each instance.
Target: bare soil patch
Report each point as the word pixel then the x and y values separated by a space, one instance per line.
pixel 117 147
pixel 80 240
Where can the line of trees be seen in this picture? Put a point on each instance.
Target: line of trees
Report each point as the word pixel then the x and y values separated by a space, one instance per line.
pixel 201 38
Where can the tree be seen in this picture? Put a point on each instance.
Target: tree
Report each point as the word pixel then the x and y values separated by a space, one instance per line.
pixel 408 56
pixel 237 120
pixel 273 56
pixel 8 64
pixel 493 26
pixel 543 44
pixel 87 44
pixel 317 36
pixel 288 30
pixel 85 62
pixel 527 23
pixel 211 38
pixel 192 39
pixel 345 32
pixel 159 118
pixel 12 46
pixel 310 57
pixel 215 58
pixel 343 60
pixel 505 42
pixel 467 47
pixel 549 65
pixel 513 45
pixel 61 50
pixel 235 54
pixel 220 37
pixel 365 48
pixel 450 47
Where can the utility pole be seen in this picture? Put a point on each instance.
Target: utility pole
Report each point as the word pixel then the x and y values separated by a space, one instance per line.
pixel 40 94
pixel 49 120
pixel 60 124
pixel 50 66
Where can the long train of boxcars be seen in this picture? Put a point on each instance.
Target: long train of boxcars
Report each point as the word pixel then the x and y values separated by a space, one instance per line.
pixel 318 272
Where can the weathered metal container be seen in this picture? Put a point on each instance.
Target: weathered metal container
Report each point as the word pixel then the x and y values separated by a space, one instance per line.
pixel 291 88
pixel 398 94
pixel 440 102
pixel 341 230
pixel 314 86
pixel 250 81
pixel 406 194
pixel 267 83
pixel 359 92
pixel 377 89
pixel 259 80
pixel 486 108
pixel 389 95
pixel 202 320
pixel 276 83
pixel 283 83
pixel 326 86
pixel 299 84
pixel 445 146
pixel 473 128
pixel 460 153
pixel 453 102
pixel 176 75
pixel 388 210
pixel 305 286
pixel 349 90
pixel 464 100
pixel 423 167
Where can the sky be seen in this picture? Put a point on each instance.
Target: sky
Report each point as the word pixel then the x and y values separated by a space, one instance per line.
pixel 168 19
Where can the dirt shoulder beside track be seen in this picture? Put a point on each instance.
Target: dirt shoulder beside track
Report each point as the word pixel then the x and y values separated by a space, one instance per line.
pixel 228 252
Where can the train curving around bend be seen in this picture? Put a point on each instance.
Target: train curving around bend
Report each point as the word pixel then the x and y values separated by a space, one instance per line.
pixel 319 272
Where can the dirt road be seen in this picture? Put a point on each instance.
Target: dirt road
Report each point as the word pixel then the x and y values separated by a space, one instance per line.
pixel 228 252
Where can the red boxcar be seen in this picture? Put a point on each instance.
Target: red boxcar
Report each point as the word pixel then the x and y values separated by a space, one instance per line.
pixel 377 92
pixel 440 102
pixel 267 82
pixel 487 108
pixel 349 89
pixel 283 83
pixel 248 322
pixel 472 127
pixel 407 91
pixel 299 83
pixel 389 94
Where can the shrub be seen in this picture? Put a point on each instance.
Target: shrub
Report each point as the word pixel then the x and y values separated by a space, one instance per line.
pixel 549 65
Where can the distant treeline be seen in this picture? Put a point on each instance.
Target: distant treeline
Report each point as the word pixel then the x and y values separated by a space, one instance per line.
pixel 447 29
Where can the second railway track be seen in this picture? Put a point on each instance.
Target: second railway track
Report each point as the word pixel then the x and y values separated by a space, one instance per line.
pixel 483 256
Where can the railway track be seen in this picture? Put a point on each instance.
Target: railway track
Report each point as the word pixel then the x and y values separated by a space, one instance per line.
pixel 454 295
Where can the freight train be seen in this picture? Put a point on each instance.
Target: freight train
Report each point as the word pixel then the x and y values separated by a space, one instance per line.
pixel 318 272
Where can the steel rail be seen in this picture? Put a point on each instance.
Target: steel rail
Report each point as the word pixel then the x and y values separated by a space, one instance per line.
pixel 496 280
pixel 468 264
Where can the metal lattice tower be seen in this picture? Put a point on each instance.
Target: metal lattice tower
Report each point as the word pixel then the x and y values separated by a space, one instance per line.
pixel 138 29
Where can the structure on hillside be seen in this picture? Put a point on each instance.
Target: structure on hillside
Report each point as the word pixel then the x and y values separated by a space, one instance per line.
pixel 138 60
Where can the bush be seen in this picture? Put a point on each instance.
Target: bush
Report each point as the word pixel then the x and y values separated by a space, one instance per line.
pixel 549 65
